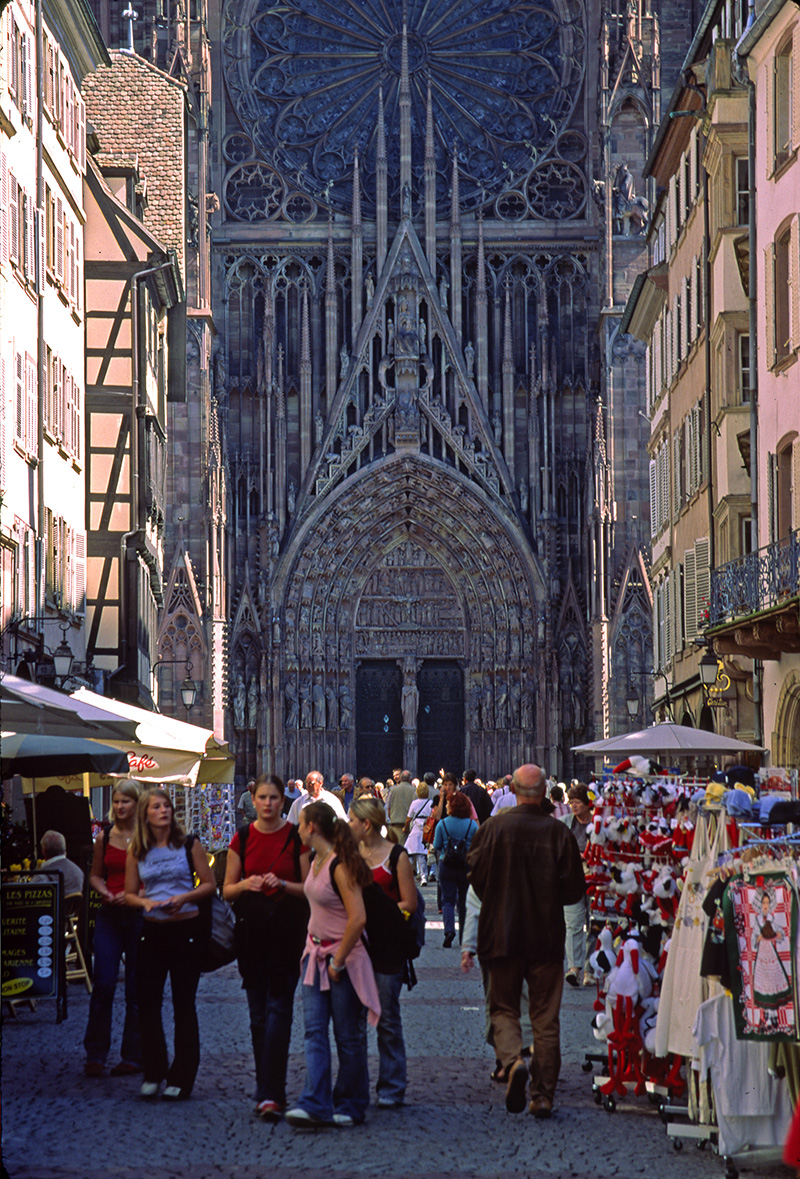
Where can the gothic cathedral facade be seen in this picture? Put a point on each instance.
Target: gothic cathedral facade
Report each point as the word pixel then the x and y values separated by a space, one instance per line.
pixel 425 423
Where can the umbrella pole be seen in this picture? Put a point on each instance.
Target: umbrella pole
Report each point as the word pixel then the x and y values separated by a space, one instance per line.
pixel 33 813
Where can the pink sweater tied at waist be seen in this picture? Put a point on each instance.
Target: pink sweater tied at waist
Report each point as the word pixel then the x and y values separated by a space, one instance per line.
pixel 359 971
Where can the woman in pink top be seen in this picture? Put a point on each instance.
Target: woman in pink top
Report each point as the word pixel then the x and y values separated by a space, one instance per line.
pixel 337 976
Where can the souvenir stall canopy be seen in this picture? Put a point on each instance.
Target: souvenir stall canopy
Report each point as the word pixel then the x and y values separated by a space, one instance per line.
pixel 668 738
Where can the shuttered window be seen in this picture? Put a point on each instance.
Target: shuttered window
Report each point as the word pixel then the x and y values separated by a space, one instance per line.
pixel 689 596
pixel 702 570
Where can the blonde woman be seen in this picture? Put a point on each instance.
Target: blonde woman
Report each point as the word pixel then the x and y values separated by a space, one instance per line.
pixel 418 812
pixel 159 881
pixel 391 869
pixel 116 932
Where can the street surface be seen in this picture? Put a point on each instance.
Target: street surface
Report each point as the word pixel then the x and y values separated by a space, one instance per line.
pixel 57 1124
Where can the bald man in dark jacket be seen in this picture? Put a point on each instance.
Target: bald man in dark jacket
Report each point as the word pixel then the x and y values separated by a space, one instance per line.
pixel 525 866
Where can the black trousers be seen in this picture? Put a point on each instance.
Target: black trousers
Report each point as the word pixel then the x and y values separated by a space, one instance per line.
pixel 169 948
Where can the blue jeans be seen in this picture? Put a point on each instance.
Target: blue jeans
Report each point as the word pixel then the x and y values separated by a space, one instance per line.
pixel 270 1030
pixel 453 882
pixel 169 948
pixel 578 942
pixel 391 1046
pixel 116 932
pixel 350 1094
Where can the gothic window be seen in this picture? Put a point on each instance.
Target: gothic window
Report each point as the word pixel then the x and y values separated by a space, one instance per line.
pixel 304 78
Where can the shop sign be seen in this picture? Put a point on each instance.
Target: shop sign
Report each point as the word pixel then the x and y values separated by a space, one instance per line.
pixel 33 940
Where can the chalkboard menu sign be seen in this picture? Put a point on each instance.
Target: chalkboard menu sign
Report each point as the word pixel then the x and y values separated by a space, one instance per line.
pixel 33 941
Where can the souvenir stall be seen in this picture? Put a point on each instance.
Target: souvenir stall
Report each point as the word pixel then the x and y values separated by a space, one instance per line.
pixel 694 893
pixel 208 811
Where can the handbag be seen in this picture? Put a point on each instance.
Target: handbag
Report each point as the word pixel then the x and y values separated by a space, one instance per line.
pixel 429 830
pixel 216 924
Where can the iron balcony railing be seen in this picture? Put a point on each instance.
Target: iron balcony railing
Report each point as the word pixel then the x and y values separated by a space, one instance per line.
pixel 756 581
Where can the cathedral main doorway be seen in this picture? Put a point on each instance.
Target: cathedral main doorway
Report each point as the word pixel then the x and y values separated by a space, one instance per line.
pixel 440 722
pixel 379 721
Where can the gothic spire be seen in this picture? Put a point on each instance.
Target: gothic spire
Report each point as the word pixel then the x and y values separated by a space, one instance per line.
pixel 455 249
pixel 508 382
pixel 430 185
pixel 331 350
pixel 405 122
pixel 482 320
pixel 381 190
pixel 357 245
pixel 305 383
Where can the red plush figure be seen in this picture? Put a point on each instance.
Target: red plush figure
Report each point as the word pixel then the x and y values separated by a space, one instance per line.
pixel 638 766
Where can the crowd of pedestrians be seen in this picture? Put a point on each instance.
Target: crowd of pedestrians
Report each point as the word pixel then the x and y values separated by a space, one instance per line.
pixel 322 883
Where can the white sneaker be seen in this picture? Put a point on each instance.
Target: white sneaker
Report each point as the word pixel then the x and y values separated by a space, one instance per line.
pixel 423 882
pixel 300 1119
pixel 149 1089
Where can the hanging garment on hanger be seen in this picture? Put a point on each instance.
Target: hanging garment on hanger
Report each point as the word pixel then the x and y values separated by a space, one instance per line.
pixel 761 935
pixel 753 1108
pixel 682 988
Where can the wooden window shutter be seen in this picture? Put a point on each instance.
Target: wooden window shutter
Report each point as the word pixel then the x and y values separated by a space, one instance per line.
pixel 668 633
pixel 769 305
pixel 48 553
pixel 3 208
pixel 796 484
pixel 59 239
pixel 676 474
pixel 653 499
pixel 772 497
pixel 19 397
pixel 677 610
pixel 665 496
pixel 13 218
pixel 794 285
pixel 27 48
pixel 692 150
pixel 689 596
pixel 771 129
pixel 81 134
pixel 796 88
pixel 79 572
pixel 32 405
pixel 3 416
pixel 657 660
pixel 702 572
pixel 31 604
pixel 30 238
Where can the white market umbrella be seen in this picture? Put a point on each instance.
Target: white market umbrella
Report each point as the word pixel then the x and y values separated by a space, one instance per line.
pixel 668 738
pixel 165 749
pixel 26 707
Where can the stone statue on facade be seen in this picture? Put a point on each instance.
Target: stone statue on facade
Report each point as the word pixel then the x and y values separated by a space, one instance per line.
pixel 291 497
pixel 305 702
pixel 409 705
pixel 469 358
pixel 345 707
pixel 290 695
pixel 252 703
pixel 332 698
pixel 628 210
pixel 318 698
pixel 239 703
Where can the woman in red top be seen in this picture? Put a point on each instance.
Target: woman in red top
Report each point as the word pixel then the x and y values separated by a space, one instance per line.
pixel 392 870
pixel 264 881
pixel 116 932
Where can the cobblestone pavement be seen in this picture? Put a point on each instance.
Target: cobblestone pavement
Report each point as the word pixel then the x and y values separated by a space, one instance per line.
pixel 57 1124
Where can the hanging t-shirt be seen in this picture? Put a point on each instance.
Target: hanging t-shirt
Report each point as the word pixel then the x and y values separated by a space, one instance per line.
pixel 761 936
pixel 715 962
pixel 753 1108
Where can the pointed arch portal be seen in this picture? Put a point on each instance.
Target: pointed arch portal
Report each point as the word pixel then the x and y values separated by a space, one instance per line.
pixel 410 565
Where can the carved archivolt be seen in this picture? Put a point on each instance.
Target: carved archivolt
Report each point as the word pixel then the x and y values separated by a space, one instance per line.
pixel 406 560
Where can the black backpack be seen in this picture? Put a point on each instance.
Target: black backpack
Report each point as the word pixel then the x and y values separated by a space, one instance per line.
pixel 216 922
pixel 455 853
pixel 389 936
